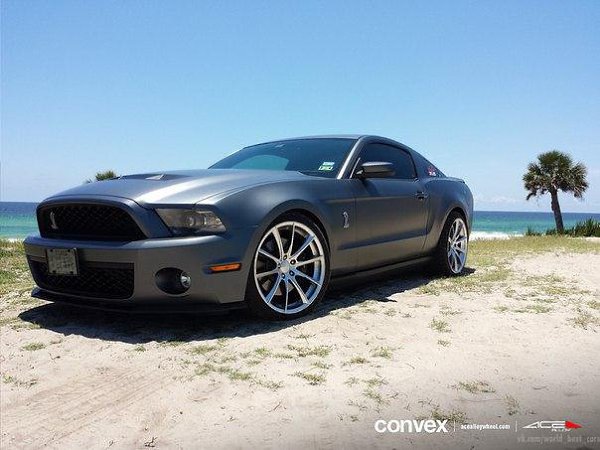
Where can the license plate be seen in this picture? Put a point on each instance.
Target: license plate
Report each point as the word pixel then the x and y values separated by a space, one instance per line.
pixel 62 261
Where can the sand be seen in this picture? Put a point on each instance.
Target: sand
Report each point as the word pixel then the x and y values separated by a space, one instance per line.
pixel 514 351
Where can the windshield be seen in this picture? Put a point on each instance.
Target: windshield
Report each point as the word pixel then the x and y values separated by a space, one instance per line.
pixel 319 157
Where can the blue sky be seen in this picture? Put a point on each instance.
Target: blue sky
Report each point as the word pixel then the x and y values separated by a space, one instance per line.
pixel 480 87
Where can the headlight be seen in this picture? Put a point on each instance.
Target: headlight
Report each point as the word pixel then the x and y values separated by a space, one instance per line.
pixel 188 222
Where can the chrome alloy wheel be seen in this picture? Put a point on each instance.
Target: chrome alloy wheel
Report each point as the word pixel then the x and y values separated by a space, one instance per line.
pixel 458 241
pixel 289 267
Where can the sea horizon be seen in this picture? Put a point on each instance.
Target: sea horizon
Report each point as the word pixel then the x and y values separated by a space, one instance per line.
pixel 17 220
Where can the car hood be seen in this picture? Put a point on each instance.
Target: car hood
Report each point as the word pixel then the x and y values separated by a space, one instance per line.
pixel 179 187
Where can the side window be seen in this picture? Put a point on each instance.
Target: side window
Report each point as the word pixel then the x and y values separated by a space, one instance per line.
pixel 402 161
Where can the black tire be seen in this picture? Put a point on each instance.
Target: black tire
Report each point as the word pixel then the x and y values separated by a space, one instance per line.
pixel 254 300
pixel 441 262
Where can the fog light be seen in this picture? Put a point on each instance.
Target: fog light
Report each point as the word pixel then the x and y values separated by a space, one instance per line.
pixel 172 280
pixel 185 280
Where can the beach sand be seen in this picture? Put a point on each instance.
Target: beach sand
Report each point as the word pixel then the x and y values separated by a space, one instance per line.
pixel 513 342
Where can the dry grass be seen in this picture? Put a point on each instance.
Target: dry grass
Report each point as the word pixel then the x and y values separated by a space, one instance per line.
pixel 14 272
pixel 492 259
pixel 475 387
pixel 441 326
pixel 312 378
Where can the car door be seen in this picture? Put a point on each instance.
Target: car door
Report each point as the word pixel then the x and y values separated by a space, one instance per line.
pixel 391 213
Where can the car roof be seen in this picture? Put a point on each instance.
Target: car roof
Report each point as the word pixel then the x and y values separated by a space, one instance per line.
pixel 327 136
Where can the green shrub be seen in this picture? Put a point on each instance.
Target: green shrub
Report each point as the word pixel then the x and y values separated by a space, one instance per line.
pixel 585 228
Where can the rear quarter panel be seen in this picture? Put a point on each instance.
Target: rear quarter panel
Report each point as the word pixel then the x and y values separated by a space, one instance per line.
pixel 445 195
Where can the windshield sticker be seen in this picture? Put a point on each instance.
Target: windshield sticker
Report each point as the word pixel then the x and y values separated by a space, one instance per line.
pixel 326 166
pixel 431 171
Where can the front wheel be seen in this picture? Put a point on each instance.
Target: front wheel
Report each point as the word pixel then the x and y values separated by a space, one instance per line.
pixel 451 253
pixel 290 270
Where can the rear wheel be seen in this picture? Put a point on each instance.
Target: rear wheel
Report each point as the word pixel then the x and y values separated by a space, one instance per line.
pixel 290 270
pixel 451 253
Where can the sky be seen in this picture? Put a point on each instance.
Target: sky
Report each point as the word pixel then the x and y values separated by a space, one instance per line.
pixel 479 87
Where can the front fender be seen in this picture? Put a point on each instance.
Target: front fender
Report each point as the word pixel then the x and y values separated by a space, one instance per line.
pixel 326 200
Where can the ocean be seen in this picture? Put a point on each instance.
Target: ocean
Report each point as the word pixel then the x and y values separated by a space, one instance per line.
pixel 17 220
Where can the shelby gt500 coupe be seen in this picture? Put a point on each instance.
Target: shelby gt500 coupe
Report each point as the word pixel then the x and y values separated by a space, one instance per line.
pixel 267 227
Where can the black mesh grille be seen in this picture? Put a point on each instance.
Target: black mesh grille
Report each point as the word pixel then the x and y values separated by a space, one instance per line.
pixel 88 222
pixel 102 281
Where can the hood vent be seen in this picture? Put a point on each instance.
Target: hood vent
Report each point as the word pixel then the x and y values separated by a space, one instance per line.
pixel 154 177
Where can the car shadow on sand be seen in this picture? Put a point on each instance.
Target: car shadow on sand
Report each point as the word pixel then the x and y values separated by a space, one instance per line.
pixel 171 328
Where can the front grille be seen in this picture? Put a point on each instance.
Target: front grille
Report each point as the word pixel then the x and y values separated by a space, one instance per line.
pixel 87 222
pixel 94 280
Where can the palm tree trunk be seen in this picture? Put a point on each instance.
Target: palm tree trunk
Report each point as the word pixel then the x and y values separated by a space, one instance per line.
pixel 560 228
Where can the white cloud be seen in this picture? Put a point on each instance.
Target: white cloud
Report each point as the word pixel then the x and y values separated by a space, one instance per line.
pixel 496 199
pixel 594 172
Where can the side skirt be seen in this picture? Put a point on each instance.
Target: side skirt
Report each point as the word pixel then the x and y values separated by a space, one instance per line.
pixel 377 271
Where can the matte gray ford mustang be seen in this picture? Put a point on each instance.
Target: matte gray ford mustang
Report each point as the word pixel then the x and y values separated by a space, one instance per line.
pixel 266 227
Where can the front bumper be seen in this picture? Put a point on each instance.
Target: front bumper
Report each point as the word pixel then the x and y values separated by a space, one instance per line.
pixel 193 255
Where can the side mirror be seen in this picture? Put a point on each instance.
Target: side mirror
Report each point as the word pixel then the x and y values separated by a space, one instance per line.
pixel 375 169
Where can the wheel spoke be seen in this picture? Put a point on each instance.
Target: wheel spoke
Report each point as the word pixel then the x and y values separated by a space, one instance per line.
pixel 304 246
pixel 273 290
pixel 454 261
pixel 292 239
pixel 287 294
pixel 303 275
pixel 310 261
pixel 301 293
pixel 456 232
pixel 277 237
pixel 266 274
pixel 268 255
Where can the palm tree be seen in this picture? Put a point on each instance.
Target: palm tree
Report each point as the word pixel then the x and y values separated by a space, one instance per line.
pixel 101 176
pixel 554 171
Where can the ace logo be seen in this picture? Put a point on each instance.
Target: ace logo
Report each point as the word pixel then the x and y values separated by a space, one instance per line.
pixel 554 425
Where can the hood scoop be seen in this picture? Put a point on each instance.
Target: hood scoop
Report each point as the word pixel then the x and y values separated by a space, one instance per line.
pixel 154 176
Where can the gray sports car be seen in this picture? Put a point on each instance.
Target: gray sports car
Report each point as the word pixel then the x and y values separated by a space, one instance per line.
pixel 267 227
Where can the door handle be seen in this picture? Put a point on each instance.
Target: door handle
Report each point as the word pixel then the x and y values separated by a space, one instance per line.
pixel 421 195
